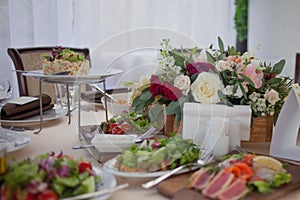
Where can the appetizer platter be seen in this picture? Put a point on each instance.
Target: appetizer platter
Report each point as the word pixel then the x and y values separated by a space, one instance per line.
pixel 50 176
pixel 236 176
pixel 153 157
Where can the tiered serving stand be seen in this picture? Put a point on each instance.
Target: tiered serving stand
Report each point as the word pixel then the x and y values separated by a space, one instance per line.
pixel 85 133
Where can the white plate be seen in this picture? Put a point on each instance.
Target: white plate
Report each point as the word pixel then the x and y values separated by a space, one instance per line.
pixel 108 181
pixel 51 114
pixel 93 76
pixel 18 140
pixel 110 166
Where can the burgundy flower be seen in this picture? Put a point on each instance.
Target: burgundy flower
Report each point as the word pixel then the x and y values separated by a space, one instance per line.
pixel 270 76
pixel 170 92
pixel 199 67
pixel 156 87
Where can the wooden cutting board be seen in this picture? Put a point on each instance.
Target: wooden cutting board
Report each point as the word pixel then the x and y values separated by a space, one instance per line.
pixel 175 187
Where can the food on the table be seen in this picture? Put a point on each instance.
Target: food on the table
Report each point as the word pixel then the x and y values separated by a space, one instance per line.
pixel 48 176
pixel 157 154
pixel 133 123
pixel 239 174
pixel 63 60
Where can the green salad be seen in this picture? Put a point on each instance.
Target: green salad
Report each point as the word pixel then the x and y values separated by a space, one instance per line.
pixel 157 154
pixel 48 176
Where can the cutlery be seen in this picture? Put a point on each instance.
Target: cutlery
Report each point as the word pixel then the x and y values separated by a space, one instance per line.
pixel 146 135
pixel 82 146
pixel 35 72
pixel 205 157
pixel 104 93
pixel 98 193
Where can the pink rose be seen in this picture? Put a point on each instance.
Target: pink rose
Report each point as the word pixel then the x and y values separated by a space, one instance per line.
pixel 251 72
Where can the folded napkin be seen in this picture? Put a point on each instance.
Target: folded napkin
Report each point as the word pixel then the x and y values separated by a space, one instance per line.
pixel 11 111
pixel 196 116
pixel 92 96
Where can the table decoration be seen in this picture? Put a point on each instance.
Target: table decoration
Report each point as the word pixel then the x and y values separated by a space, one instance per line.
pixel 286 133
pixel 210 76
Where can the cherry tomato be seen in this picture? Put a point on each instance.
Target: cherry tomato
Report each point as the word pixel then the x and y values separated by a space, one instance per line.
pixel 125 127
pixel 83 166
pixel 111 126
pixel 117 130
pixel 47 195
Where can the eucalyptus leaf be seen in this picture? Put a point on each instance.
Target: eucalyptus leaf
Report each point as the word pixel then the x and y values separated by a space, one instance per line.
pixel 180 60
pixel 221 45
pixel 146 95
pixel 278 67
pixel 243 91
pixel 246 78
pixel 274 80
pixel 156 113
pixel 210 57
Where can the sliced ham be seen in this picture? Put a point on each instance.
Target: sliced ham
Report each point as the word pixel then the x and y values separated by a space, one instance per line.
pixel 201 178
pixel 235 191
pixel 218 183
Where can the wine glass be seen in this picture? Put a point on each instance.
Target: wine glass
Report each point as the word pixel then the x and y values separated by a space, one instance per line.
pixel 5 92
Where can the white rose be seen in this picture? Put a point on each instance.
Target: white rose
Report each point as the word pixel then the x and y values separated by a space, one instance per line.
pixel 223 65
pixel 272 96
pixel 183 83
pixel 205 88
pixel 256 62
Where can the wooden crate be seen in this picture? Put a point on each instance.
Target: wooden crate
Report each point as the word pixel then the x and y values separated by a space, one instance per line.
pixel 261 128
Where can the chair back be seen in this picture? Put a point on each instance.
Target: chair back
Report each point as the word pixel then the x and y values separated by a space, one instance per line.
pixel 27 59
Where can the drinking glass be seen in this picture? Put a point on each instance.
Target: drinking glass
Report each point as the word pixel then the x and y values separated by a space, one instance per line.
pixel 5 91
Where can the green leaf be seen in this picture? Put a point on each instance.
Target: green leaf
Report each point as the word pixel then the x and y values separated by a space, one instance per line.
pixel 175 106
pixel 156 112
pixel 246 78
pixel 232 51
pixel 221 45
pixel 274 81
pixel 243 91
pixel 146 95
pixel 180 60
pixel 210 57
pixel 278 67
pixel 223 98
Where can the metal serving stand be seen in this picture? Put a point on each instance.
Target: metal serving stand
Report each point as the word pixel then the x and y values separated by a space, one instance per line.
pixel 68 80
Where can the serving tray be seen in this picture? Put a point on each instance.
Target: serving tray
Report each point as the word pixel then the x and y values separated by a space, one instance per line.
pixel 175 187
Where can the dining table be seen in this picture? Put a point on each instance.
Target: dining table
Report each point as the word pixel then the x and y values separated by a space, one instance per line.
pixel 60 136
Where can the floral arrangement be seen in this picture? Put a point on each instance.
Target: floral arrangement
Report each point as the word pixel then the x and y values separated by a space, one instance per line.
pixel 212 77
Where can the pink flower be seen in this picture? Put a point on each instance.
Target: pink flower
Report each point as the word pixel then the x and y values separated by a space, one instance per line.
pixel 251 72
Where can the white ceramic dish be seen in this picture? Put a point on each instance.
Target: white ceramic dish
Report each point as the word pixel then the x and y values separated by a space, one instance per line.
pixel 113 143
pixel 51 114
pixel 93 76
pixel 115 108
pixel 110 166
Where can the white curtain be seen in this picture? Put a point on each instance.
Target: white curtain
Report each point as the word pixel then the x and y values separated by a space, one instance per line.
pixel 110 28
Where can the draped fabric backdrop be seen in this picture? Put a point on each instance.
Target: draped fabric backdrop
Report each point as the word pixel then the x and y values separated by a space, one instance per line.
pixel 111 27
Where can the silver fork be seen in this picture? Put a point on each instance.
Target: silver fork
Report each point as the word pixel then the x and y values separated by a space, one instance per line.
pixel 204 158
